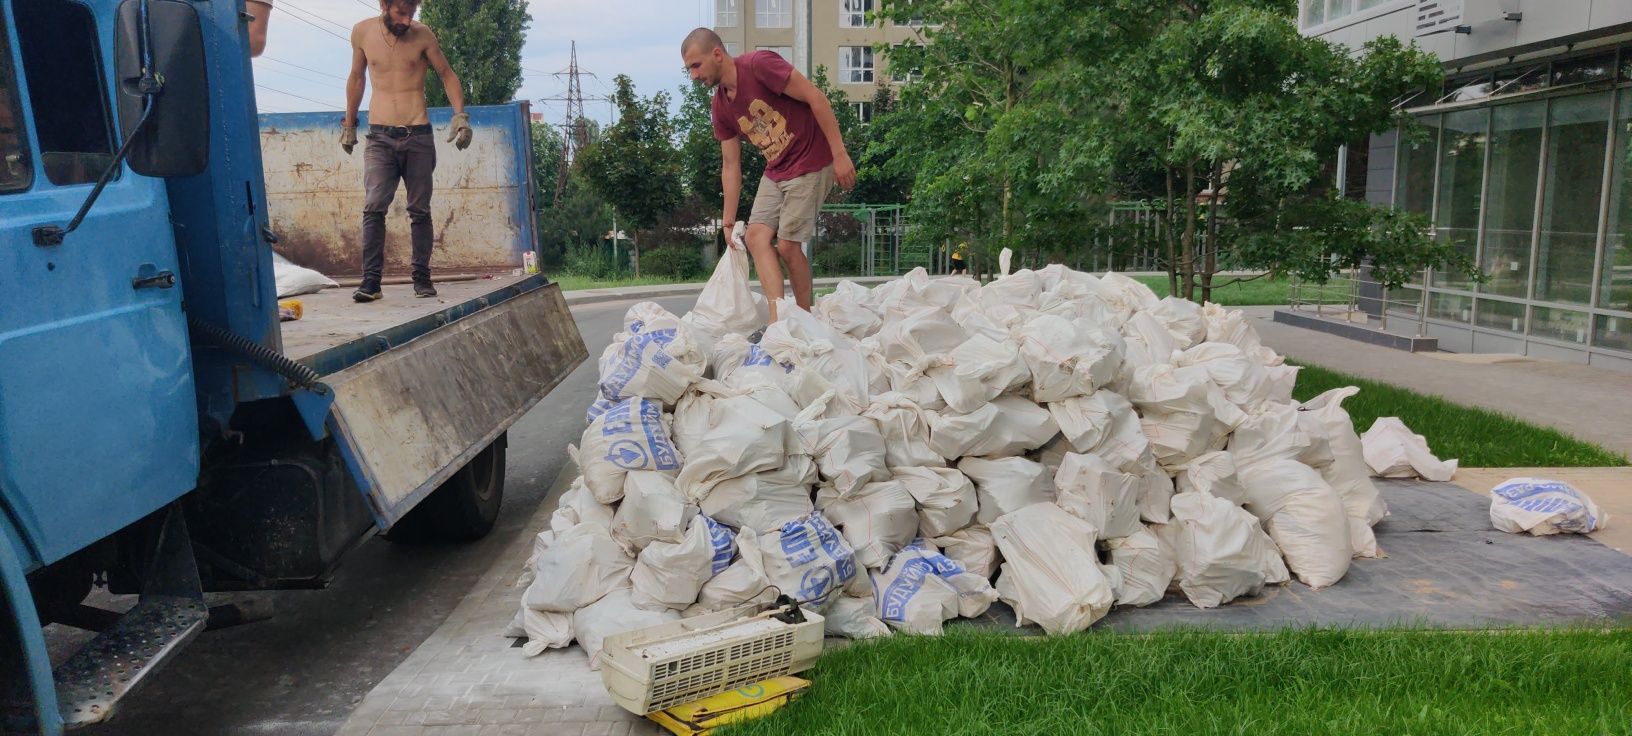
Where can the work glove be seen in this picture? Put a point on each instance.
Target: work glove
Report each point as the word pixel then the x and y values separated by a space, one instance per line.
pixel 459 131
pixel 348 138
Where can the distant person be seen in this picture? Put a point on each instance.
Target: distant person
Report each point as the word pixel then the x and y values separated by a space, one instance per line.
pixel 261 12
pixel 398 51
pixel 958 267
pixel 759 96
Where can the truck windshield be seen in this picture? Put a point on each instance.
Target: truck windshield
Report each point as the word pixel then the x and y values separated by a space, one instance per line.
pixel 16 172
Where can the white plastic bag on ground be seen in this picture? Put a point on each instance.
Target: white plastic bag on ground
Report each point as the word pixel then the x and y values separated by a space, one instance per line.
pixel 293 280
pixel 847 311
pixel 1006 485
pixel 1213 473
pixel 1539 506
pixel 877 519
pixel 1104 424
pixel 854 617
pixel 1067 358
pixel 740 582
pixel 1095 492
pixel 652 510
pixel 766 500
pixel 726 304
pixel 1304 516
pixel 1222 552
pixel 808 560
pixel 906 432
pixel 544 630
pixel 920 588
pixel 655 357
pixel 581 565
pixel 1394 451
pixel 1347 473
pixel 945 498
pixel 972 547
pixel 978 371
pixel 631 435
pixel 1147 564
pixel 1051 574
pixel 670 574
pixel 610 616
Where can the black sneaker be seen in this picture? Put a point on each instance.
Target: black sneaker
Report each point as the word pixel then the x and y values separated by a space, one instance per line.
pixel 424 291
pixel 364 294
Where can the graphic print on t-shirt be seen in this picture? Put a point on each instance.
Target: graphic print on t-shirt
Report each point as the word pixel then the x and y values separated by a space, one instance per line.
pixel 766 129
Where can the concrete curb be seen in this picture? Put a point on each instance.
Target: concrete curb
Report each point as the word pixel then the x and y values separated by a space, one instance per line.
pixel 597 296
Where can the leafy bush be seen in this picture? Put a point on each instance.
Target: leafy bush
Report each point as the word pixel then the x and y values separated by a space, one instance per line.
pixel 680 262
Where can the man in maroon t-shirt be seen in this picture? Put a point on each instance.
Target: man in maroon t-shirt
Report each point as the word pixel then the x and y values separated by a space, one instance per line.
pixel 759 96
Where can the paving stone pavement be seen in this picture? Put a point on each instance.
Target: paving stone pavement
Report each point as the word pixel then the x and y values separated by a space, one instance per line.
pixel 468 680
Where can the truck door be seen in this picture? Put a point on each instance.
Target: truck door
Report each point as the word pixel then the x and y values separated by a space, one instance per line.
pixel 98 425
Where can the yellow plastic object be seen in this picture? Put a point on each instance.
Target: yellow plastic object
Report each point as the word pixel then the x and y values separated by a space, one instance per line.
pixel 744 704
pixel 290 310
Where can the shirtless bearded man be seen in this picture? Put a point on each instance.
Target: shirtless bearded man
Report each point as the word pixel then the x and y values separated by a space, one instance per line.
pixel 397 51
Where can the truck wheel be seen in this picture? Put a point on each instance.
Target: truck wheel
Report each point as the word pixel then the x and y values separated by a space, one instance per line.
pixel 463 508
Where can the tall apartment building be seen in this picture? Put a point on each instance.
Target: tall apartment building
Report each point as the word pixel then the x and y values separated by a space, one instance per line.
pixel 809 33
pixel 1527 168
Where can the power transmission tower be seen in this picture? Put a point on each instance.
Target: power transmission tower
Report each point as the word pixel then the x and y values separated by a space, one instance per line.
pixel 574 132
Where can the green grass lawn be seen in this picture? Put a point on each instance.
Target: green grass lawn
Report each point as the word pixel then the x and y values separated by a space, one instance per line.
pixel 1258 292
pixel 1193 683
pixel 1476 437
pixel 574 282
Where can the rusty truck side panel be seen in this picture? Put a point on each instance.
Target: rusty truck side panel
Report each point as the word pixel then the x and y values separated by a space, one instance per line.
pixel 482 204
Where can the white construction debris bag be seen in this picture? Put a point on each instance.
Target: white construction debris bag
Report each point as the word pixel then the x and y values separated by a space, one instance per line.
pixel 578 506
pixel 652 510
pixel 740 582
pixel 1244 381
pixel 847 311
pixel 945 498
pixel 632 435
pixel 670 574
pixel 744 436
pixel 972 547
pixel 854 617
pixel 1184 414
pixel 1135 296
pixel 726 304
pixel 581 565
pixel 1304 516
pixel 765 500
pixel 610 616
pixel 1147 566
pixel 1539 506
pixel 877 519
pixel 1103 424
pixel 1005 485
pixel 994 322
pixel 544 630
pixel 1148 343
pixel 1393 451
pixel 1067 358
pixel 1271 433
pixel 918 335
pixel 735 362
pixel 808 560
pixel 1222 552
pixel 1051 574
pixel 1324 419
pixel 1091 490
pixel 1182 318
pixel 1155 491
pixel 1213 473
pixel 655 357
pixel 1229 326
pixel 906 432
pixel 953 435
pixel 293 280
pixel 912 382
pixel 979 370
pixel 848 450
pixel 920 588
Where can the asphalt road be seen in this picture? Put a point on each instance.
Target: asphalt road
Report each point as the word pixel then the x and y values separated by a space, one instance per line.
pixel 301 672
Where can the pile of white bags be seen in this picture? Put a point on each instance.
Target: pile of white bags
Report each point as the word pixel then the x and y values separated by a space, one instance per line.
pixel 910 454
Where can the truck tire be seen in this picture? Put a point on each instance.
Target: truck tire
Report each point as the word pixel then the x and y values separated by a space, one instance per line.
pixel 464 508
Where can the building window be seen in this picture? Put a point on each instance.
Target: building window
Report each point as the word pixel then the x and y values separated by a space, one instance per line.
pixel 1615 283
pixel 853 13
pixel 1461 179
pixel 1577 129
pixel 16 171
pixel 864 111
pixel 725 14
pixel 899 71
pixel 786 52
pixel 773 13
pixel 1314 13
pixel 855 64
pixel 70 104
pixel 732 47
pixel 1414 183
pixel 1510 206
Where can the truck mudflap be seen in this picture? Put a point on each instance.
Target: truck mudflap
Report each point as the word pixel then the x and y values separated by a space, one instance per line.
pixel 410 417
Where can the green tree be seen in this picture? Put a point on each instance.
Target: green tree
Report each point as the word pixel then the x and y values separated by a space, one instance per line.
pixel 482 40
pixel 547 143
pixel 700 152
pixel 634 164
pixel 878 181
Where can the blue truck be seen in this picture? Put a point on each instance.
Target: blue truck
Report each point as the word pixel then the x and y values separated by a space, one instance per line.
pixel 161 433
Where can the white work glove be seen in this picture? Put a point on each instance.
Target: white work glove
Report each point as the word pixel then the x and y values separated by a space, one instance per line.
pixel 739 233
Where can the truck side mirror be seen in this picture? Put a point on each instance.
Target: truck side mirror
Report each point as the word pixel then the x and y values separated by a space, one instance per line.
pixel 176 140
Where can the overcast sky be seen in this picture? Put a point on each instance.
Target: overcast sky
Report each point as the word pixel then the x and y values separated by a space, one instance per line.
pixel 307 52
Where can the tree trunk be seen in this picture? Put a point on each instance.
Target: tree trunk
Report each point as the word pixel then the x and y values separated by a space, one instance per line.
pixel 1210 262
pixel 1169 235
pixel 1187 261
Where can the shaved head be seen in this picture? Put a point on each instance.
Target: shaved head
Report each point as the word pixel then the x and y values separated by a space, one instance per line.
pixel 702 40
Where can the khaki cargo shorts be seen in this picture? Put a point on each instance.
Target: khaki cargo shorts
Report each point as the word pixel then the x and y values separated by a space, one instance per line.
pixel 790 206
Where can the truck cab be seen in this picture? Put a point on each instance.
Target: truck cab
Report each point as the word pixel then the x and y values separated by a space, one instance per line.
pixel 157 435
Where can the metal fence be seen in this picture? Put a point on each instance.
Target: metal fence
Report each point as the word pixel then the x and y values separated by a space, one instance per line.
pixel 1352 296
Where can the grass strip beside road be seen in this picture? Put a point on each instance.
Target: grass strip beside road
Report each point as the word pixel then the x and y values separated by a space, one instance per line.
pixel 1191 682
